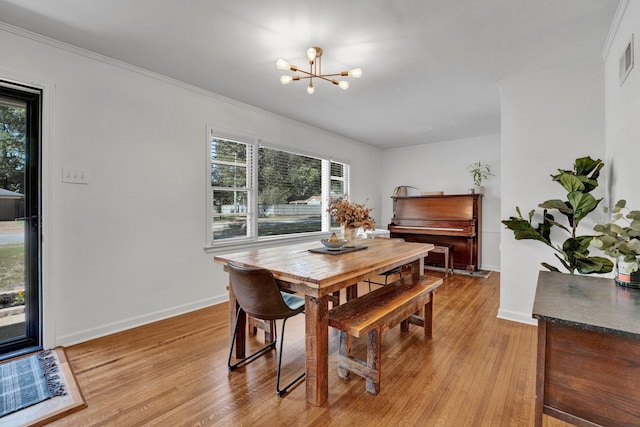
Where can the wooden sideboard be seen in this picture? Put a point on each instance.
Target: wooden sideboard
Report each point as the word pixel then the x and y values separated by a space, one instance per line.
pixel 588 370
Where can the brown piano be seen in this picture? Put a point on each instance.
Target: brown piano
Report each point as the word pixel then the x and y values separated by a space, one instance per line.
pixel 450 220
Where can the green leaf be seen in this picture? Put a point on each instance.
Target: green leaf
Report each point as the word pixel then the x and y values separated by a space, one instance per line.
pixel 634 245
pixel 603 242
pixel 523 229
pixel 557 224
pixel 582 204
pixel 585 165
pixel 633 215
pixel 549 267
pixel 557 204
pixel 620 204
pixel 544 228
pixel 572 246
pixel 592 265
pixel 616 229
pixel 570 182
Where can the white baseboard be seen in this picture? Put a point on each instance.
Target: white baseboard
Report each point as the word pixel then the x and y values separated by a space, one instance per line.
pixel 517 317
pixel 133 322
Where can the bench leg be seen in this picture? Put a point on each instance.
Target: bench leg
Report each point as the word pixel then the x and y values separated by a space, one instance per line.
pixel 344 351
pixel 374 345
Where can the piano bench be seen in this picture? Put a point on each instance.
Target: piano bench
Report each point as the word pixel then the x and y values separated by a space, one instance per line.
pixel 448 257
pixel 377 312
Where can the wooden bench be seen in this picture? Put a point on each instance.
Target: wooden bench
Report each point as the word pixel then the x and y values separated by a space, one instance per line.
pixel 377 312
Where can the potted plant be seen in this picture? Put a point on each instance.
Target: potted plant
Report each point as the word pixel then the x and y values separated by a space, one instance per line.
pixel 351 216
pixel 620 239
pixel 573 253
pixel 479 172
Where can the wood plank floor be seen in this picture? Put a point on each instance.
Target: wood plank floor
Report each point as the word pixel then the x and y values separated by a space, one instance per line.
pixel 477 371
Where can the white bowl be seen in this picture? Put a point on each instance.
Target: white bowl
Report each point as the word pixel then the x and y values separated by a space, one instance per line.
pixel 333 246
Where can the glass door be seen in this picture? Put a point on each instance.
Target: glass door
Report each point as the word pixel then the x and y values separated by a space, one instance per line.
pixel 20 112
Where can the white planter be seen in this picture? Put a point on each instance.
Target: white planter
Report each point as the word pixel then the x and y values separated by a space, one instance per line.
pixel 478 189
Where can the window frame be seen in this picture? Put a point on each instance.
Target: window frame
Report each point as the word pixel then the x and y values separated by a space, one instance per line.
pixel 252 239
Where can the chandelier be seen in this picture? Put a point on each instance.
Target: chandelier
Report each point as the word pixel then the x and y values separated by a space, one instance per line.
pixel 315 71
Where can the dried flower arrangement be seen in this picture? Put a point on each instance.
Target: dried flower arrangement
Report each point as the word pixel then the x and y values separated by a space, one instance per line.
pixel 352 215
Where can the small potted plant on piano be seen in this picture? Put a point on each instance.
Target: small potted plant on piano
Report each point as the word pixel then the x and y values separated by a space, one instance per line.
pixel 479 172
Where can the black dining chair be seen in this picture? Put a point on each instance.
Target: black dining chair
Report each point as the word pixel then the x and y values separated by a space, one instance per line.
pixel 257 294
pixel 386 274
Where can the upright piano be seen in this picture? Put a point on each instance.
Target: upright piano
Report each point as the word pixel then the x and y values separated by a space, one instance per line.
pixel 448 220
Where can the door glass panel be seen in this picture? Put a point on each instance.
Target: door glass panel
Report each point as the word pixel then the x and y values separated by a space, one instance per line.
pixel 13 293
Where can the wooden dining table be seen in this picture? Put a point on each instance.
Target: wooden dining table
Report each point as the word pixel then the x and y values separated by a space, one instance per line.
pixel 317 276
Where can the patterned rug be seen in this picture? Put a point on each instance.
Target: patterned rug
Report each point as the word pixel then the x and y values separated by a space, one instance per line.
pixel 27 381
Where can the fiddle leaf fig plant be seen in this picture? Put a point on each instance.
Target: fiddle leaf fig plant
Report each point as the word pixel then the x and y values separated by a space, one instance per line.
pixel 573 253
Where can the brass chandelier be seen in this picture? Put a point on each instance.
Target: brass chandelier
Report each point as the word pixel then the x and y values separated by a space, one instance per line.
pixel 314 54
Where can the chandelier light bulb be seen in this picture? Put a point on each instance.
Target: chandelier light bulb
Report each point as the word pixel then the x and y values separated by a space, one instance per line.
pixel 343 84
pixel 356 72
pixel 311 54
pixel 283 65
pixel 286 79
pixel 310 89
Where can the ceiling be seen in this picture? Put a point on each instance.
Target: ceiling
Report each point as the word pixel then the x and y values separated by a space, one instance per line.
pixel 431 68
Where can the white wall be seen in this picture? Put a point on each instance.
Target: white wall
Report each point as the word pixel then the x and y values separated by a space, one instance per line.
pixel 127 248
pixel 443 167
pixel 623 112
pixel 548 120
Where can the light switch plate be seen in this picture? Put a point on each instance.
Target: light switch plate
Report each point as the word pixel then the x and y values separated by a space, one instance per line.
pixel 75 176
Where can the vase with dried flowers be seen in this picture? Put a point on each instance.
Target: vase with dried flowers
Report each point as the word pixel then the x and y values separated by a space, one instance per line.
pixel 351 216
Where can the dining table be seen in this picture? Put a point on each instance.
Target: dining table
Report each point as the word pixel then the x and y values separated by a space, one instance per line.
pixel 316 273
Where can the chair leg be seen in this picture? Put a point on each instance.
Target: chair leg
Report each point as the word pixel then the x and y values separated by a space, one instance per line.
pixel 270 346
pixel 386 278
pixel 281 392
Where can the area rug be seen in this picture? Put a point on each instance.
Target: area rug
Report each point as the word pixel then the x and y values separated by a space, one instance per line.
pixel 36 389
pixel 27 381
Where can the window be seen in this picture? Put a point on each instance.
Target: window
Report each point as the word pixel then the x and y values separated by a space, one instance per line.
pixel 231 186
pixel 258 192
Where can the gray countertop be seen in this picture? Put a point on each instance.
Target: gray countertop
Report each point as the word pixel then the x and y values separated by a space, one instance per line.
pixel 587 302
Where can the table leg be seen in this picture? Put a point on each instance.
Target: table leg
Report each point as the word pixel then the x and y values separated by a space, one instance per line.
pixel 317 349
pixel 352 292
pixel 417 268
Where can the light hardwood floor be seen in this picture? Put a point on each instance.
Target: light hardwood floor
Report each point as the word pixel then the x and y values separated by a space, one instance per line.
pixel 477 371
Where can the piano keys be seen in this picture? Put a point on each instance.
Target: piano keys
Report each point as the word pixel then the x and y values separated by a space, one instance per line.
pixel 448 220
